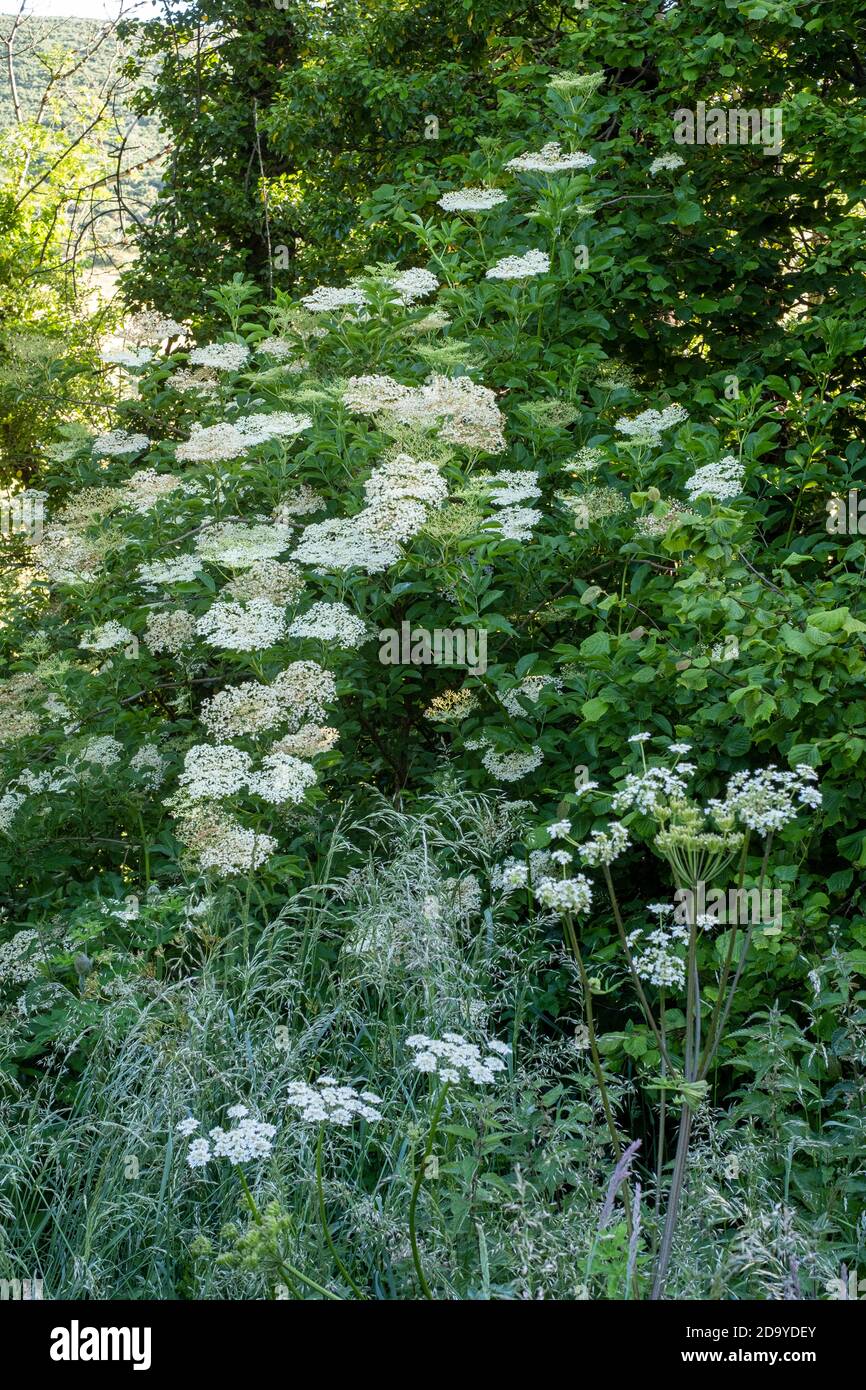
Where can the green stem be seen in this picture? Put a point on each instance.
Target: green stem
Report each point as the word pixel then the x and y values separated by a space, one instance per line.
pixel 287 1270
pixel 416 1188
pixel 324 1219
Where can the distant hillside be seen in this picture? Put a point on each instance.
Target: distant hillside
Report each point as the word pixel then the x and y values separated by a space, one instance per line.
pixel 65 71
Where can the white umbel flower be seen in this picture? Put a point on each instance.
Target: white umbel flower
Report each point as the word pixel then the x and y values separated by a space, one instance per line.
pixel 520 267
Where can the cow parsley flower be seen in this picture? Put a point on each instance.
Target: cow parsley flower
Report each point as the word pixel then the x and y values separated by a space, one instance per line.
pixel 455 1060
pixel 603 847
pixel 768 799
pixel 564 894
pixel 327 1102
pixel 559 829
pixel 186 1128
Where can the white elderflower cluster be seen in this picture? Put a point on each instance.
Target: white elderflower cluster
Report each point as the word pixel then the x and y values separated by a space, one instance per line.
pixel 277 580
pixel 119 443
pixel 179 570
pixel 147 487
pixel 647 428
pixel 301 501
pixel 465 896
pixel 327 1102
pixel 211 444
pixel 170 631
pixel 563 895
pixel 238 546
pixel 510 767
pixel 243 627
pixel 768 799
pixel 511 485
pixel 530 688
pixel 352 543
pixel 520 267
pixel 471 200
pixel 719 480
pixel 103 751
pixel 248 1139
pixel 367 395
pixel 516 523
pixel 200 380
pixel 278 348
pixel 651 525
pixel 603 847
pixel 402 476
pixel 326 300
pixel 414 284
pixel 220 357
pixel 510 876
pixel 213 771
pixel 106 637
pixel 330 622
pixel 550 160
pixel 150 326
pixel 257 429
pixel 247 709
pixel 21 956
pixel 454 1060
pixel 466 411
pixel 308 741
pixel 220 843
pixel 283 778
pixel 151 766
pixel 666 161
pixel 652 788
pixel 132 358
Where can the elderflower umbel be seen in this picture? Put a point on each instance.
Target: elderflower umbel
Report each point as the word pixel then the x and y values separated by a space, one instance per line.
pixel 510 767
pixel 471 200
pixel 520 267
pixel 666 161
pixel 719 480
pixel 221 357
pixel 249 627
pixel 118 443
pixel 453 1059
pixel 330 622
pixel 550 160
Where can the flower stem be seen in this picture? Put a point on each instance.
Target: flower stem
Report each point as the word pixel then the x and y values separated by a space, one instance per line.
pixel 324 1219
pixel 419 1178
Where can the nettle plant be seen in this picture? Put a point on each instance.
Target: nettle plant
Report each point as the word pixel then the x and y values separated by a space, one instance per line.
pixel 684 966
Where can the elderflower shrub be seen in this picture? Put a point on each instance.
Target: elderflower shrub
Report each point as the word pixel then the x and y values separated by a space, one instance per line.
pixel 415 446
